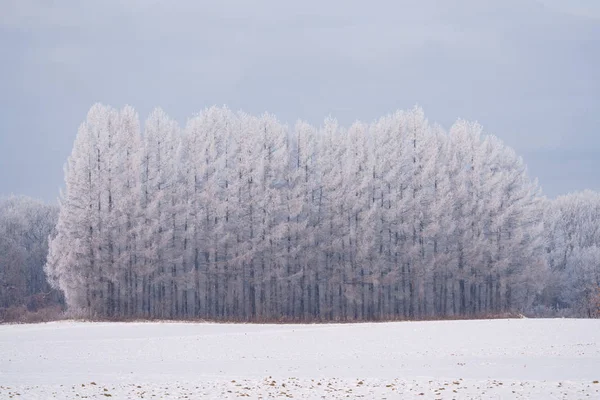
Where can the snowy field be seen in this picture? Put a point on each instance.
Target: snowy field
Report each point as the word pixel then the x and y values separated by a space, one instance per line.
pixel 499 359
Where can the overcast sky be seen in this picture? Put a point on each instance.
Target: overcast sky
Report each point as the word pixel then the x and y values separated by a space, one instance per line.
pixel 528 70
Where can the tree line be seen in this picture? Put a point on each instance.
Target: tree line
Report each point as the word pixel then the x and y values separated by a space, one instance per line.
pixel 25 225
pixel 573 254
pixel 238 217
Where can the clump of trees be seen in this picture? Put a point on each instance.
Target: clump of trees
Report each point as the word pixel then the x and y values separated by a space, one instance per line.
pixel 25 225
pixel 240 217
pixel 573 253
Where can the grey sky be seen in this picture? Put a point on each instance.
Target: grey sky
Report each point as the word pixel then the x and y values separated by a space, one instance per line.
pixel 528 70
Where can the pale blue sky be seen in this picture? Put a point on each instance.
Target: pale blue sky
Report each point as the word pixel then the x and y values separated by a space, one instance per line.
pixel 583 8
pixel 528 70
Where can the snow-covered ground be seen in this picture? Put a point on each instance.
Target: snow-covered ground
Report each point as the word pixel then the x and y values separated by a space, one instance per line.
pixel 526 358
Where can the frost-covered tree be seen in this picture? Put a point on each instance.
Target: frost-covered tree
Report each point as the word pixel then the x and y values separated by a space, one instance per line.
pixel 158 224
pixel 125 198
pixel 71 260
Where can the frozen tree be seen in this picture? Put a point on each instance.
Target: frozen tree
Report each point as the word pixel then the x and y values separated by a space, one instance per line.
pixel 95 225
pixel 157 224
pixel 304 193
pixel 126 200
pixel 71 264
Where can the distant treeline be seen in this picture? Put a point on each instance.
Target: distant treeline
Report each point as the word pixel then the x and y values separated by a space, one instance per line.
pixel 24 290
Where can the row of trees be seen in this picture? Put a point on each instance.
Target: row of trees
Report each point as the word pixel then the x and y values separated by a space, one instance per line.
pixel 573 249
pixel 240 217
pixel 25 225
